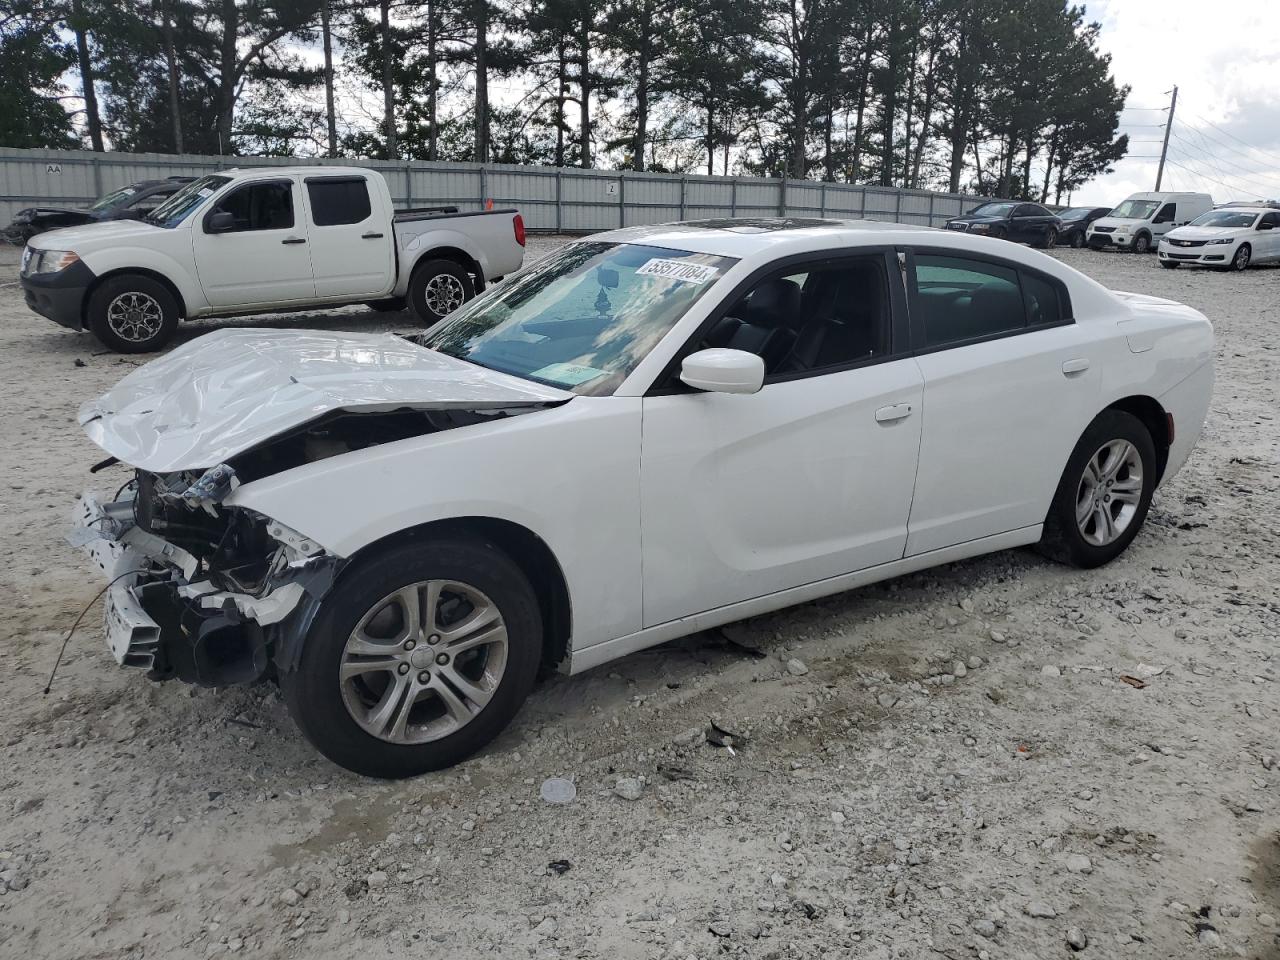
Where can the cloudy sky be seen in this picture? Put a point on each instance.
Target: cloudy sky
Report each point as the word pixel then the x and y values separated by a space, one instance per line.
pixel 1224 56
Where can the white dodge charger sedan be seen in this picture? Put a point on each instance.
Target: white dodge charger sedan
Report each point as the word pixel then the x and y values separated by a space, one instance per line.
pixel 650 432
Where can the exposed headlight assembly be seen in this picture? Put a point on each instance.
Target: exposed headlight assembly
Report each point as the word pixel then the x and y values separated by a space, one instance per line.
pixel 980 226
pixel 1212 243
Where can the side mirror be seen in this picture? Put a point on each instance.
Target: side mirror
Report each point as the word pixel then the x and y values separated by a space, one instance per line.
pixel 220 221
pixel 721 370
pixel 1265 225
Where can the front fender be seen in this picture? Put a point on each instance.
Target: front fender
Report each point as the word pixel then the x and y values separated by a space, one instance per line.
pixel 173 266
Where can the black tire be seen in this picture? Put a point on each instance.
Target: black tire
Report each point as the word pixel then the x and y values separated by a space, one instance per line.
pixel 999 233
pixel 1142 243
pixel 1077 240
pixel 1063 539
pixel 1244 255
pixel 389 305
pixel 431 280
pixel 1170 264
pixel 313 691
pixel 122 313
pixel 1049 240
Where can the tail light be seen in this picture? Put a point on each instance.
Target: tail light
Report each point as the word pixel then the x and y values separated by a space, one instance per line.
pixel 518 223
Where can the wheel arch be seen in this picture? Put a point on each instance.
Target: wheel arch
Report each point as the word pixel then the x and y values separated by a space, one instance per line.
pixel 529 551
pixel 458 256
pixel 131 271
pixel 1156 419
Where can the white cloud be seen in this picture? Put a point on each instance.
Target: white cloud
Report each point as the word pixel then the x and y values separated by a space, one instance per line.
pixel 1225 59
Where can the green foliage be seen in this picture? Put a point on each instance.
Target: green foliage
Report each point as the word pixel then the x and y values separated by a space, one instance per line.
pixel 33 56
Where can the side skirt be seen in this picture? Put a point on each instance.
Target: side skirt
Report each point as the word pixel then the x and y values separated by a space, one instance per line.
pixel 599 653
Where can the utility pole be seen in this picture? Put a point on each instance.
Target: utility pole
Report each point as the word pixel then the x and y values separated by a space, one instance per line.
pixel 1168 125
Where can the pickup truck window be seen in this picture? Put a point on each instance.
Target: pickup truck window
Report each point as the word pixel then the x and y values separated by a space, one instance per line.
pixel 174 210
pixel 583 318
pixel 338 200
pixel 259 206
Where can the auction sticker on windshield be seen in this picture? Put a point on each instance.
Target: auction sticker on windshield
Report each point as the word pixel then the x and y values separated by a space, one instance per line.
pixel 568 374
pixel 698 273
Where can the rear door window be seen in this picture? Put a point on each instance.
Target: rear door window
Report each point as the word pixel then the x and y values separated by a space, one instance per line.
pixel 336 201
pixel 960 299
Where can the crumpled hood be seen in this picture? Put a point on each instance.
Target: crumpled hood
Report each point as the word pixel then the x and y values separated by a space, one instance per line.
pixel 228 391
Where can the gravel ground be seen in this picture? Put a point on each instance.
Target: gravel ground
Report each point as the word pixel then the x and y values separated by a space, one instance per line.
pixel 951 767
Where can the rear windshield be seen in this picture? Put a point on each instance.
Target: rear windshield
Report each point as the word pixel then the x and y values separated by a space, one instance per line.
pixel 584 317
pixel 1225 218
pixel 174 210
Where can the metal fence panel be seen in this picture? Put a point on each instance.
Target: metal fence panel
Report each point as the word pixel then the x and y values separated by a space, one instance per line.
pixel 565 199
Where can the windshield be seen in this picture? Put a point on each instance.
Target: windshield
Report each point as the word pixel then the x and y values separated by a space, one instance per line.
pixel 1135 210
pixel 1225 218
pixel 174 210
pixel 1075 213
pixel 992 210
pixel 584 317
pixel 114 197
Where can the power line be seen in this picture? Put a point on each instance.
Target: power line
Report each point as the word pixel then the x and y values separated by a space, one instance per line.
pixel 1218 161
pixel 1205 176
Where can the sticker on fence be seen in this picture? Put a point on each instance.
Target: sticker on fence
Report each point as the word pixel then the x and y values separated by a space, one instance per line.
pixel 698 273
pixel 53 168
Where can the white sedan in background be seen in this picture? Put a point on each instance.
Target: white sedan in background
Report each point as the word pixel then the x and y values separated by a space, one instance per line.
pixel 650 432
pixel 1229 238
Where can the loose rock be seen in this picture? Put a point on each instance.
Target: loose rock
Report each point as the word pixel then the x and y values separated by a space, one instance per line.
pixel 629 788
pixel 796 668
pixel 1076 939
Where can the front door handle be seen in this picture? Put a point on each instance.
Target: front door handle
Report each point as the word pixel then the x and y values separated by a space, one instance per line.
pixel 371 236
pixel 893 412
pixel 294 240
pixel 1078 365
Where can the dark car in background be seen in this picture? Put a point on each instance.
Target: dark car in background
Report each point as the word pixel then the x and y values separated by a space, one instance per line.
pixel 130 202
pixel 1075 224
pixel 1011 220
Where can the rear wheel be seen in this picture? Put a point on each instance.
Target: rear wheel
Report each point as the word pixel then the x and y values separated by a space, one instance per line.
pixel 417 659
pixel 437 288
pixel 131 313
pixel 1105 491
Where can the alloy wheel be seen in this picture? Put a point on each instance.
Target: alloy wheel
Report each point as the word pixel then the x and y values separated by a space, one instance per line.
pixel 443 294
pixel 136 317
pixel 1109 492
pixel 423 662
pixel 1241 259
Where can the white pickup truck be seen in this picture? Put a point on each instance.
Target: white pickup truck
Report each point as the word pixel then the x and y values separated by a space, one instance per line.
pixel 265 239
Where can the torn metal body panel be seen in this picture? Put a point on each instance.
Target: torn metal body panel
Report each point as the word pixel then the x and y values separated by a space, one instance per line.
pixel 198 591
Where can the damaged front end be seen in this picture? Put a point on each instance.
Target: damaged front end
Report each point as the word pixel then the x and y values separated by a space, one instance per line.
pixel 208 593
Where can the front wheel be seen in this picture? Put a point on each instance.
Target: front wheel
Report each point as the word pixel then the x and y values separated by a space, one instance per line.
pixel 131 313
pixel 437 288
pixel 418 658
pixel 1142 243
pixel 1050 238
pixel 1241 260
pixel 1105 491
pixel 1077 240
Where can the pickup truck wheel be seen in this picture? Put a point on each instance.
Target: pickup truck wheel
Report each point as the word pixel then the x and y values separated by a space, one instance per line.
pixel 419 657
pixel 133 314
pixel 389 305
pixel 1105 491
pixel 437 288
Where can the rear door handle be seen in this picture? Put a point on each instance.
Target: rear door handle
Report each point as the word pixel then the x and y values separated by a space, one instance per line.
pixel 294 240
pixel 1078 365
pixel 893 412
pixel 370 236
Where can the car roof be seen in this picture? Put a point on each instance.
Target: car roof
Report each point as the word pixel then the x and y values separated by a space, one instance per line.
pixel 741 236
pixel 285 171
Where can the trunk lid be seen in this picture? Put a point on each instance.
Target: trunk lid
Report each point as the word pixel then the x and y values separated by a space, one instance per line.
pixel 228 391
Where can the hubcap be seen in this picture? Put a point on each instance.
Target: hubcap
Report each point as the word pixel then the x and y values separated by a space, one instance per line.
pixel 1242 258
pixel 1108 495
pixel 135 317
pixel 444 294
pixel 403 691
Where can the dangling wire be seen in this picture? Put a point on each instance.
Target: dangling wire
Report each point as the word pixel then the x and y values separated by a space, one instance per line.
pixel 67 639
